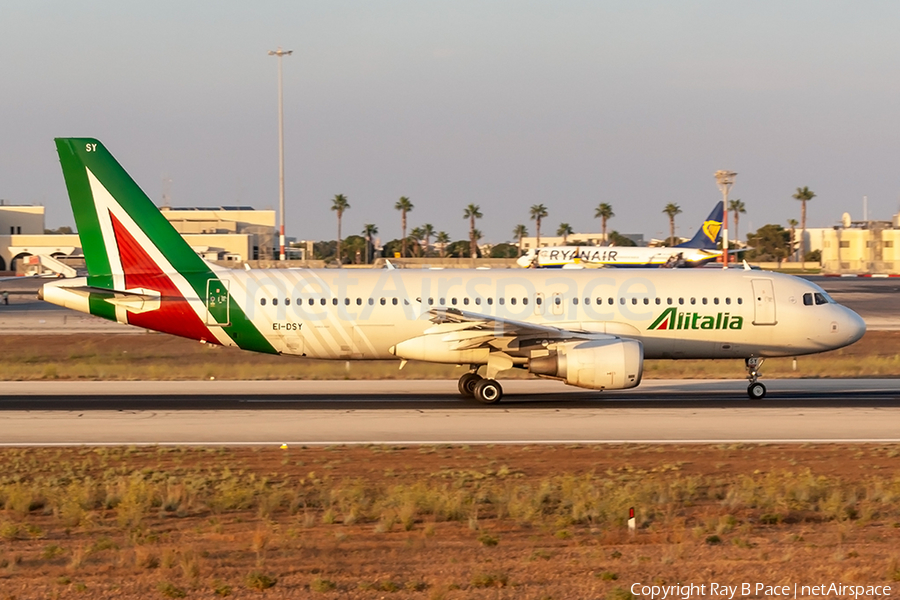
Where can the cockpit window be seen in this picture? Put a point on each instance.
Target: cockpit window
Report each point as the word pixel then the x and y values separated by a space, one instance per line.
pixel 811 298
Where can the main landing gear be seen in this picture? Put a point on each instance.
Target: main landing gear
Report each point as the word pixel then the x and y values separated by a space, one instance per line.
pixel 755 390
pixel 486 391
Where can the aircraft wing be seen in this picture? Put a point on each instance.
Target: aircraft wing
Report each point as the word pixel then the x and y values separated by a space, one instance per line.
pixel 473 330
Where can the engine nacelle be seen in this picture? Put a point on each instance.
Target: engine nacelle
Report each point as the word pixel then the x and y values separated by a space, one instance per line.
pixel 614 364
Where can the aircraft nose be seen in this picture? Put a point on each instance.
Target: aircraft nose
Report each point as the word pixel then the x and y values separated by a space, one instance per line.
pixel 851 325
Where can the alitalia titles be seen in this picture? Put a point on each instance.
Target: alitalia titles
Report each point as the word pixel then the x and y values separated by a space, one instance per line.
pixel 672 318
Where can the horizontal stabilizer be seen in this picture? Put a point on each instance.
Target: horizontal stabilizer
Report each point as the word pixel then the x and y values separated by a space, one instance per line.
pixel 134 301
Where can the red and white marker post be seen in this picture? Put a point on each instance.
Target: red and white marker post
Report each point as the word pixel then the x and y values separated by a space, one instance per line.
pixel 631 522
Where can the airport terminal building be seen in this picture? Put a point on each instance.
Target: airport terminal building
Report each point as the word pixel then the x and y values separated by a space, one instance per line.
pixel 226 233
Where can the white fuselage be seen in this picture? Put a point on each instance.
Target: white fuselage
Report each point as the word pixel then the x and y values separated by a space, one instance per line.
pixel 362 314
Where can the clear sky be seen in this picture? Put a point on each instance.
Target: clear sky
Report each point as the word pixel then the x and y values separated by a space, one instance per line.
pixel 503 104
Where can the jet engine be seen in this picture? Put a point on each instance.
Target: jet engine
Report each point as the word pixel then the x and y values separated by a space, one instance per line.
pixel 611 364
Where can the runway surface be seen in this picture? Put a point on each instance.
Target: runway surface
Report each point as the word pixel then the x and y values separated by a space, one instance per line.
pixel 430 412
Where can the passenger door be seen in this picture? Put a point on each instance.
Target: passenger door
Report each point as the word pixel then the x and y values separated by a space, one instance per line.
pixel 763 302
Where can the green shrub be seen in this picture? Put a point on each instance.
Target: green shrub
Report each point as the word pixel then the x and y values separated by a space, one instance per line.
pixel 259 581
pixel 484 580
pixel 322 585
pixel 169 590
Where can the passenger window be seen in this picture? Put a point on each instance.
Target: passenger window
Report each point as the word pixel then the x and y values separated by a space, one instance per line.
pixel 740 300
pixel 575 301
pixel 490 300
pixel 646 301
pixel 703 301
pixel 658 301
pixel 609 300
pixel 621 300
pixel 274 301
pixel 807 299
pixel 634 300
pixel 262 301
pixel 727 300
pixel 359 301
pixel 334 301
pixel 557 300
pixel 287 301
pixel 442 302
pixel 512 300
pixel 669 301
pixel 716 300
pixel 431 302
pixel 466 301
pixel 681 301
pixel 587 300
pixel 693 301
pixel 394 301
pixel 322 301
pixel 477 301
pixel 525 301
pixel 453 301
pixel 383 301
pixel 501 301
pixel 347 301
pixel 537 300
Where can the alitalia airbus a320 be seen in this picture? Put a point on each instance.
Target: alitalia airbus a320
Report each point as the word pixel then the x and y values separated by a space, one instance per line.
pixel 591 329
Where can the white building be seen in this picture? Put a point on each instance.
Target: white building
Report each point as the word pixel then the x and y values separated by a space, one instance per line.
pixel 228 233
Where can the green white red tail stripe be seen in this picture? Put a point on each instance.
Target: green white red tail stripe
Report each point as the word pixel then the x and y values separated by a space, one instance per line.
pixel 130 247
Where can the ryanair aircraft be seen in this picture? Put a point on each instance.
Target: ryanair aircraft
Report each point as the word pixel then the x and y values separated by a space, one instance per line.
pixel 591 329
pixel 701 249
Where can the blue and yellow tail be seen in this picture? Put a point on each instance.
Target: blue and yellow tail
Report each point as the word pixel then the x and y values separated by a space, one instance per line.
pixel 707 237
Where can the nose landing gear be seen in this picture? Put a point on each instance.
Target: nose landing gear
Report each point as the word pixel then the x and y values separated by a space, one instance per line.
pixel 755 390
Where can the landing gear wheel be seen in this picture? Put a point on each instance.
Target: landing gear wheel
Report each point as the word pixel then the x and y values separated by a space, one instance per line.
pixel 756 391
pixel 467 384
pixel 488 391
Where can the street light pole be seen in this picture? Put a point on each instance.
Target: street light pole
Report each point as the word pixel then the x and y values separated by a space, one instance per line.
pixel 279 53
pixel 725 179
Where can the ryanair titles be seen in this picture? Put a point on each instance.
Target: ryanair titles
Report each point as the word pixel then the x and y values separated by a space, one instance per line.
pixel 672 319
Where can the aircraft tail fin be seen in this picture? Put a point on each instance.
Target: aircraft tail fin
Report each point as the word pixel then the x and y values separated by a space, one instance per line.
pixel 707 237
pixel 123 234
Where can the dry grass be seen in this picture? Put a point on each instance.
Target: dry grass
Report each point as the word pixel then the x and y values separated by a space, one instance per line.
pixel 160 357
pixel 449 522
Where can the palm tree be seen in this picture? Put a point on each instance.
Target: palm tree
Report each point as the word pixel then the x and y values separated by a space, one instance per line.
pixel 672 209
pixel 472 212
pixel 804 195
pixel 538 212
pixel 520 231
pixel 737 209
pixel 368 231
pixel 565 230
pixel 427 233
pixel 339 204
pixel 604 212
pixel 415 236
pixel 404 206
pixel 793 223
pixel 442 238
